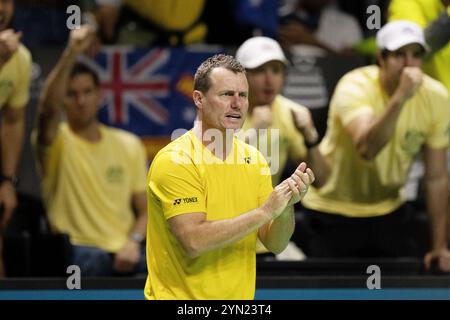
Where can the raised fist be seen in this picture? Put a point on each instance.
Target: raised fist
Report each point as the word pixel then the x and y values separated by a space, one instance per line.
pixel 81 39
pixel 410 81
pixel 9 43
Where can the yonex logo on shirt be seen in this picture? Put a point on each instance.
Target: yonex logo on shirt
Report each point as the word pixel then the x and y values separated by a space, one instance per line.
pixel 248 159
pixel 185 200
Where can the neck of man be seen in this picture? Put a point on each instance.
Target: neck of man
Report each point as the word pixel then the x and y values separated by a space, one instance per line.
pixel 90 132
pixel 388 86
pixel 218 142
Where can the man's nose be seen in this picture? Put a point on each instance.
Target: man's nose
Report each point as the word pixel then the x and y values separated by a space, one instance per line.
pixel 409 60
pixel 269 77
pixel 237 102
pixel 81 99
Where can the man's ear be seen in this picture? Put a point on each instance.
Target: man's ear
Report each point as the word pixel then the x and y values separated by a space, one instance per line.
pixel 379 59
pixel 197 96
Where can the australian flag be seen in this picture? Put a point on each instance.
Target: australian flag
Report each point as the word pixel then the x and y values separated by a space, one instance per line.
pixel 148 91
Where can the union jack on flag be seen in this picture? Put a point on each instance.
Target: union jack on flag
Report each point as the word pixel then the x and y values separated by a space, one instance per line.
pixel 141 87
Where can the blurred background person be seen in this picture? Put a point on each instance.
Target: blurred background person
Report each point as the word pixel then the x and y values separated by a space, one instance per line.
pixel 314 23
pixel 296 137
pixel 15 74
pixel 149 22
pixel 93 175
pixel 380 117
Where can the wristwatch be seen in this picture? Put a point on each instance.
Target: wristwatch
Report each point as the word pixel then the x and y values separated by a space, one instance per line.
pixel 136 237
pixel 13 179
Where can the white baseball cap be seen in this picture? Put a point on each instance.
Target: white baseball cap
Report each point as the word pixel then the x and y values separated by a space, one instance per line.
pixel 256 51
pixel 397 34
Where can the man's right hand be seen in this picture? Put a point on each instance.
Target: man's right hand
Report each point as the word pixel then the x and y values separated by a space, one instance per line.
pixel 278 200
pixel 410 81
pixel 290 191
pixel 81 39
pixel 9 43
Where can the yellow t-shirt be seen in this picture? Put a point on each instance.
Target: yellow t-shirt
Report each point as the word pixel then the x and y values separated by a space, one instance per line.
pixel 361 188
pixel 171 15
pixel 181 181
pixel 88 187
pixel 290 143
pixel 423 12
pixel 15 79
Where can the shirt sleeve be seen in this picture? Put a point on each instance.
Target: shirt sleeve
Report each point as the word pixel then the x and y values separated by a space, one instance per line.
pixel 297 148
pixel 350 99
pixel 438 136
pixel 177 185
pixel 20 95
pixel 140 165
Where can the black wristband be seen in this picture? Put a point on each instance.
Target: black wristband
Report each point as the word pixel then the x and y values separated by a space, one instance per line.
pixel 12 179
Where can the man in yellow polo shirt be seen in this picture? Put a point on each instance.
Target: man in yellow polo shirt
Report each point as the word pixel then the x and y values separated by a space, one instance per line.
pixel 210 197
pixel 272 113
pixel 434 17
pixel 93 175
pixel 15 74
pixel 274 117
pixel 380 118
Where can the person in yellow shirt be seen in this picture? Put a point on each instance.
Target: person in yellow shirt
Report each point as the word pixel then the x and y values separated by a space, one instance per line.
pixel 380 118
pixel 434 17
pixel 153 22
pixel 271 112
pixel 210 197
pixel 15 75
pixel 274 116
pixel 93 175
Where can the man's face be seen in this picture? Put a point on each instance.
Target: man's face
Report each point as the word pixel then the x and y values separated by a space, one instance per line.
pixel 6 13
pixel 392 65
pixel 225 104
pixel 265 82
pixel 82 100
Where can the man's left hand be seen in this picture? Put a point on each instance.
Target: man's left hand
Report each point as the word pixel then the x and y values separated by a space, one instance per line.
pixel 305 125
pixel 301 179
pixel 441 257
pixel 127 258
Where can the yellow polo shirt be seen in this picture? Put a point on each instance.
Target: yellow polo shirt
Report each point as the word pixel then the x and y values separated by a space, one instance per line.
pixel 360 188
pixel 185 177
pixel 88 186
pixel 15 78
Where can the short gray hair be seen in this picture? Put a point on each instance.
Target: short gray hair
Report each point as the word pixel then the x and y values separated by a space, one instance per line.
pixel 201 79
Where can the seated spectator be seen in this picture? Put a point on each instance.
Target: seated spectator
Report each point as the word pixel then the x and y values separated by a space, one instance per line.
pixel 296 137
pixel 314 23
pixel 266 65
pixel 380 118
pixel 15 74
pixel 150 22
pixel 434 17
pixel 308 30
pixel 93 175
